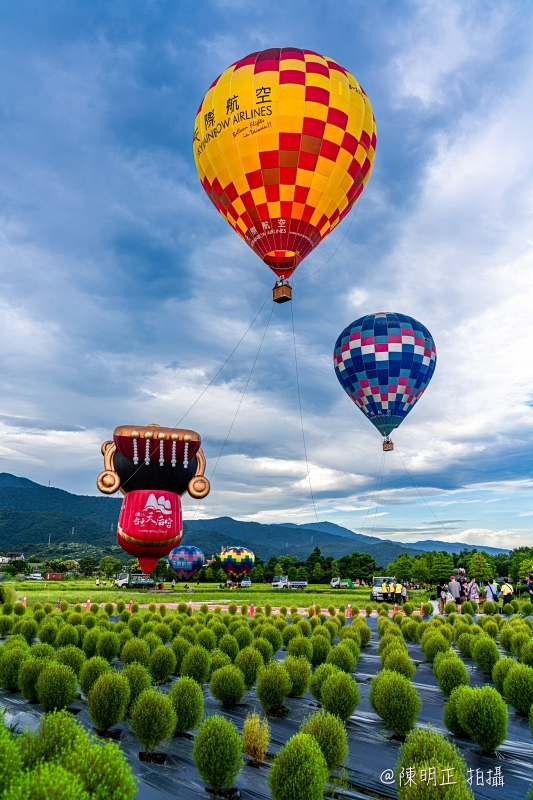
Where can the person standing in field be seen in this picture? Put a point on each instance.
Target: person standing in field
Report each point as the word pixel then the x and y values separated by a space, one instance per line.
pixel 472 592
pixel 349 614
pixel 454 588
pixel 507 592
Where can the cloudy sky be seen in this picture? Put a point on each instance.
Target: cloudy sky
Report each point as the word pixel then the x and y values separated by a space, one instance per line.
pixel 123 291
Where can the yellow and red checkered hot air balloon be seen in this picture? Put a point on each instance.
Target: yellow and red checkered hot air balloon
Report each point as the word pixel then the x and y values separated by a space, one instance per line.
pixel 284 144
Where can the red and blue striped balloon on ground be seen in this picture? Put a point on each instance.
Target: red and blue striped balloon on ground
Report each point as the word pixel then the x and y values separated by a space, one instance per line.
pixel 237 561
pixel 185 561
pixel 384 363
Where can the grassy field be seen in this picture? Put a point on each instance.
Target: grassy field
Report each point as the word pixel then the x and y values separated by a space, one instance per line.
pixel 260 594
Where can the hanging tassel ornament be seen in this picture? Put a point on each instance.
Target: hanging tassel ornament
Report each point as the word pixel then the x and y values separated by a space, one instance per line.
pixel 147 437
pixel 161 450
pixel 135 435
pixel 186 440
pixel 174 437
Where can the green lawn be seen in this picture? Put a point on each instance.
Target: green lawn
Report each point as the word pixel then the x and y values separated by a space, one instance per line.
pixel 79 591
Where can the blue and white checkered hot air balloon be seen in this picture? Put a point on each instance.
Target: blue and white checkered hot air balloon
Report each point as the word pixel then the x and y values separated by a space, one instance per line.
pixel 384 363
pixel 186 561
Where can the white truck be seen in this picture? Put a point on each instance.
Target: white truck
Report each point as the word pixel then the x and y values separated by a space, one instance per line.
pixel 341 583
pixel 35 576
pixel 376 595
pixel 282 582
pixel 124 579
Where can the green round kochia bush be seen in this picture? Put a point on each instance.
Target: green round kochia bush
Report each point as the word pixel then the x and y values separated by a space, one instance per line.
pixel 188 633
pixel 29 673
pixel 339 694
pixel 180 647
pixel 485 653
pixel 265 648
pixel 135 624
pixel 465 643
pixel 11 661
pixel 91 671
pixel 218 660
pixel 399 661
pixel 57 686
pixel 500 671
pixel 273 686
pixel 138 679
pixel 490 607
pixel 482 713
pixel 318 678
pixel 299 771
pixel 526 654
pixel 518 688
pixel 272 635
pixel 228 644
pixel 152 641
pixel 19 610
pixel 47 781
pixel 408 608
pixel 90 641
pixel 300 647
pixel 67 634
pixel 330 735
pixel 342 658
pixel 153 719
pixel 6 623
pixel 135 650
pixel 469 607
pixel 244 636
pixel 73 657
pixel 195 664
pixel 163 631
pixel 249 661
pixel 321 648
pixel 217 753
pixel 290 632
pixel 450 713
pixel 108 645
pixel 450 608
pixel 452 673
pixel 108 700
pixel 396 701
pixel 162 664
pixel 427 609
pixel 187 700
pixel 207 639
pixel 227 685
pixel 434 644
pixel 425 749
pixel 352 646
pixel 27 628
pixel 518 641
pixel 42 650
pixel 299 674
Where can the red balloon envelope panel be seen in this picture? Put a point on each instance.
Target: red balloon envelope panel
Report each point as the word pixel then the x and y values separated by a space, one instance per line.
pixel 149 525
pixel 153 467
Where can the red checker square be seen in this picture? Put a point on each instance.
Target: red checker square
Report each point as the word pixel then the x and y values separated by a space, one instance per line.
pixel 354 169
pixel 233 214
pixel 272 193
pixel 395 339
pixel 354 337
pixel 292 76
pixel 382 348
pixel 334 65
pixel 255 179
pixel 289 52
pixel 206 185
pixel 317 95
pixel 338 118
pixel 374 389
pixel 364 383
pixel 308 213
pixel 286 209
pixel 314 127
pixel 344 347
pixel 269 159
pixel 384 396
pixel 373 140
pixel 402 381
pixel 334 215
pixel 365 140
pixel 360 393
pixel 216 187
pixel 199 108
pixel 365 169
pixel 271 54
pixel 231 191
pixel 330 150
pixel 263 212
pixel 351 193
pixel 266 66
pixel 311 53
pixel 290 141
pixel 349 143
pixel 322 221
pixel 247 199
pixel 287 175
pixel 317 69
pixel 307 161
pixel 366 340
pixel 247 60
pixel 300 194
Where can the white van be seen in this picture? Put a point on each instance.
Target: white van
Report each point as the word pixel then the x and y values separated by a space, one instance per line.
pixel 376 595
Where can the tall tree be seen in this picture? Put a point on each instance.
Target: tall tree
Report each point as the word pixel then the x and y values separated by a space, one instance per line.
pixel 420 571
pixel 401 567
pixel 480 568
pixel 442 566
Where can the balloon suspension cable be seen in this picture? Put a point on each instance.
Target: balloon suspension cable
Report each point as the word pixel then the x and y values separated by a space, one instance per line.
pixel 377 498
pixel 135 451
pixel 443 526
pixel 380 471
pixel 301 415
pixel 238 406
pixel 338 246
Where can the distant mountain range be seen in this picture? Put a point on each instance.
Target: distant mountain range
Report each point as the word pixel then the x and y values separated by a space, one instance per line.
pixel 31 515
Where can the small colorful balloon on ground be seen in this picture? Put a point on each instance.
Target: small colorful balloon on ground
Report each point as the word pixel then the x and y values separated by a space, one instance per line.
pixel 237 561
pixel 384 362
pixel 185 561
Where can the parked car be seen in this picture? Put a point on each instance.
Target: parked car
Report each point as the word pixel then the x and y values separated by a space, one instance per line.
pixel 35 576
pixel 246 583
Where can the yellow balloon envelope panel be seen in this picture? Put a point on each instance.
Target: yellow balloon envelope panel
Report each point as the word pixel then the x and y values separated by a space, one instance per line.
pixel 284 144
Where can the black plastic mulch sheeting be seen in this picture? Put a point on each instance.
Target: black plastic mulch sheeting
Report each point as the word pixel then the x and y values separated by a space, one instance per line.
pixel 371 750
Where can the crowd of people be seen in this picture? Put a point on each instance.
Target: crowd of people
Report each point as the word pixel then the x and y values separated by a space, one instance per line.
pixel 394 592
pixel 459 589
